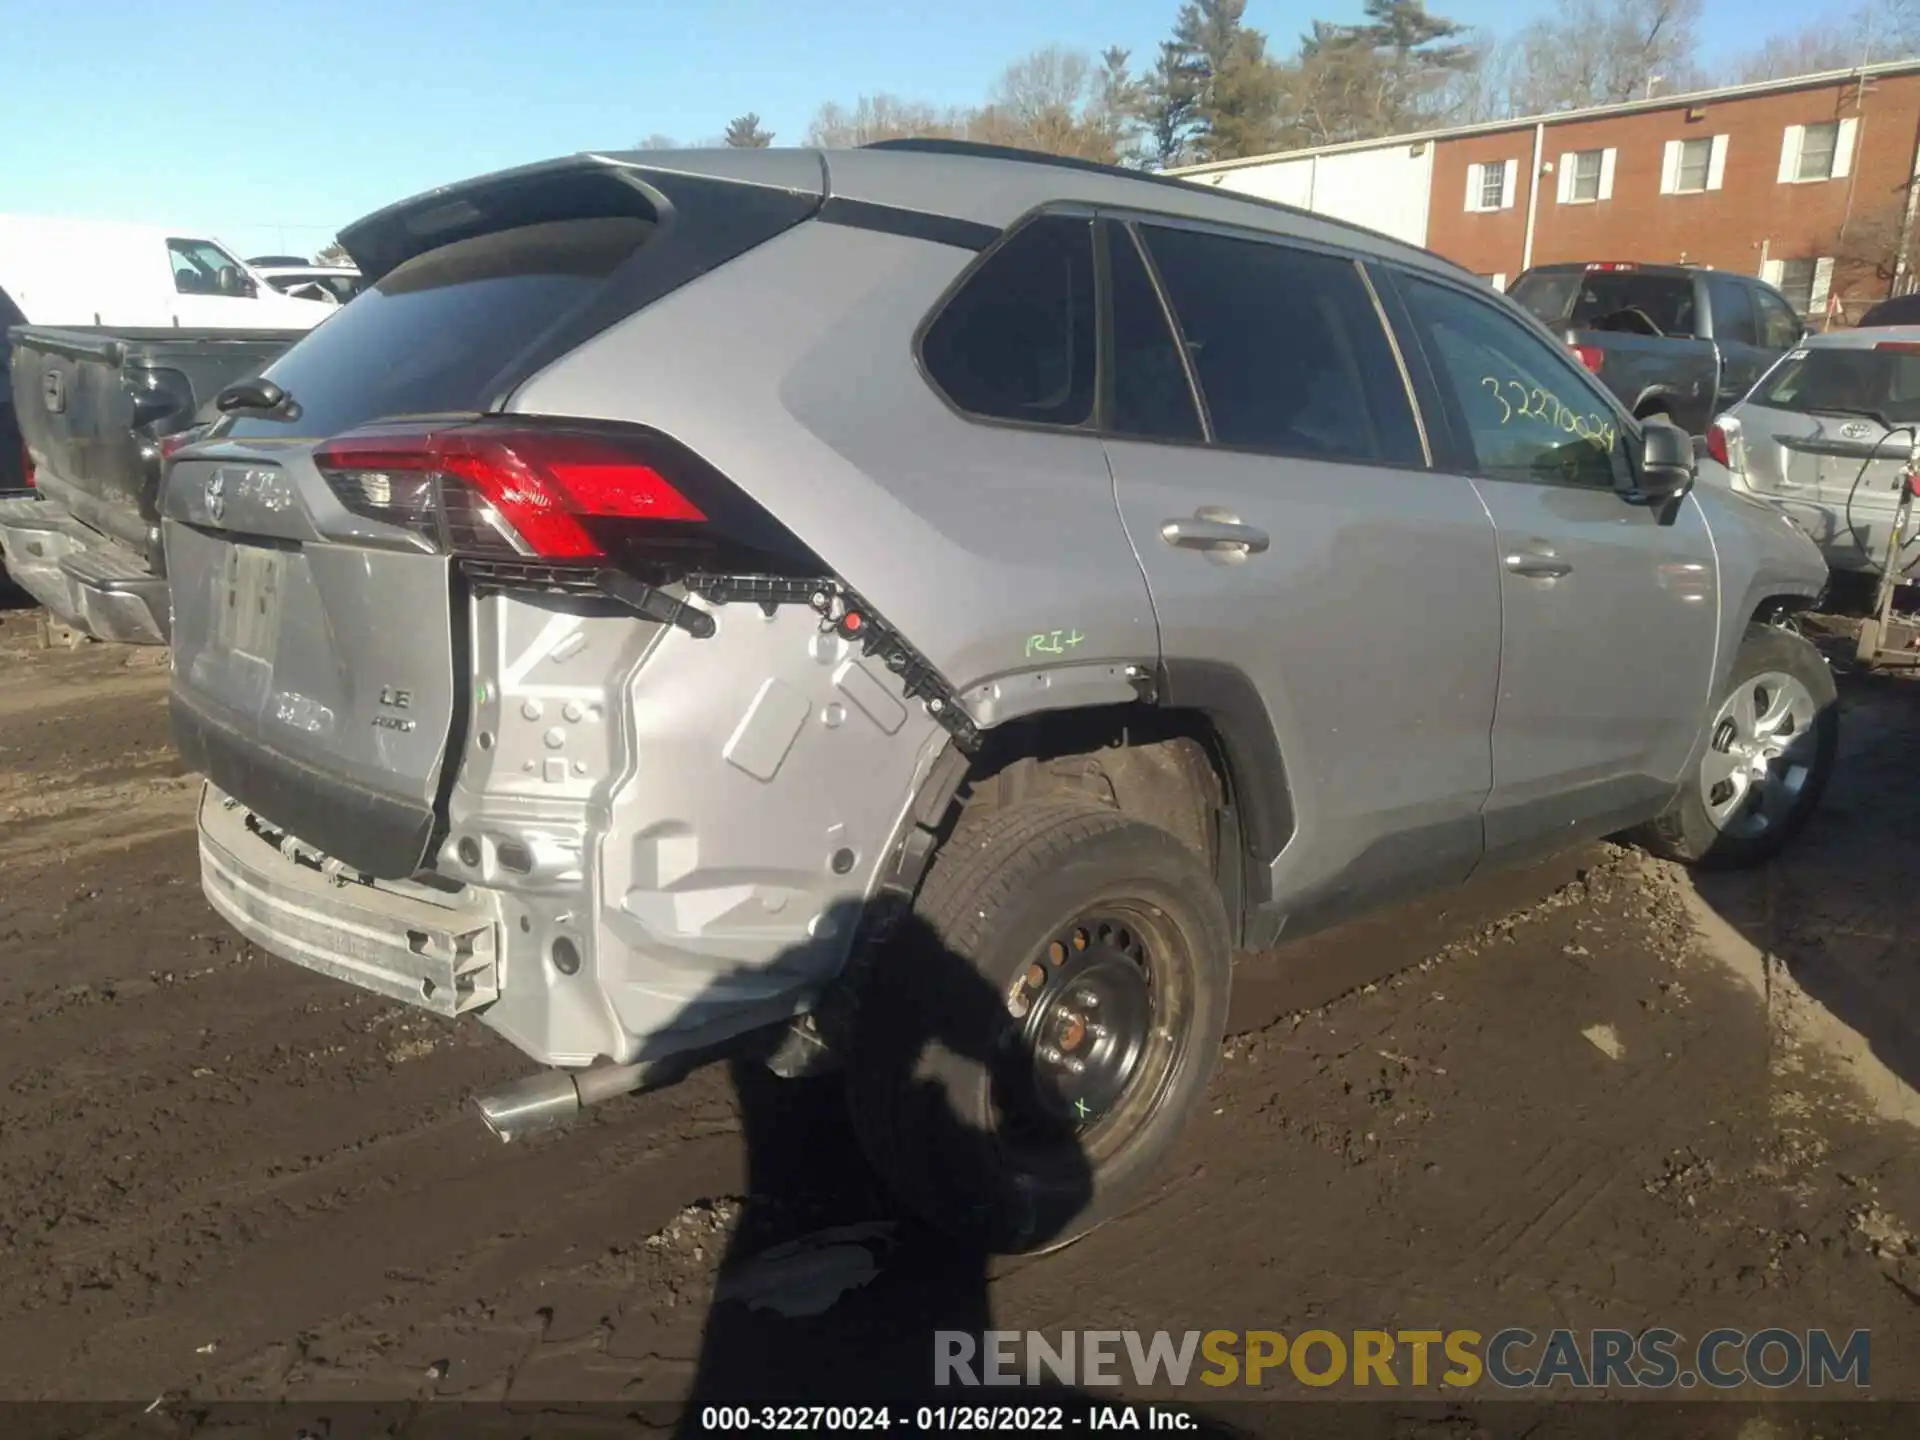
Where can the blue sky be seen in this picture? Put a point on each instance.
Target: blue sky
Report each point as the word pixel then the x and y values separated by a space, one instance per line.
pixel 274 126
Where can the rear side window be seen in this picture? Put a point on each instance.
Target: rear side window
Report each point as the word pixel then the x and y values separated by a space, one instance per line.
pixel 1884 383
pixel 1527 411
pixel 1017 341
pixel 1152 397
pixel 1548 294
pixel 1733 320
pixel 1779 326
pixel 432 336
pixel 1288 348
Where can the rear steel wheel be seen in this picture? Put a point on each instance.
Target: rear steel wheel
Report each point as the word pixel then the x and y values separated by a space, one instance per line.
pixel 1030 1043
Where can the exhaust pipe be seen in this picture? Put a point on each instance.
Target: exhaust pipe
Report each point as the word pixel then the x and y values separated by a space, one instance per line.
pixel 553 1098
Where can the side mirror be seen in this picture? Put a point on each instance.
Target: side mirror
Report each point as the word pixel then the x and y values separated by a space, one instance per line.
pixel 1667 468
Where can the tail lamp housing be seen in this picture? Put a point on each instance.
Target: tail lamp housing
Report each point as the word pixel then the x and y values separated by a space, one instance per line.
pixel 1591 357
pixel 559 496
pixel 1723 443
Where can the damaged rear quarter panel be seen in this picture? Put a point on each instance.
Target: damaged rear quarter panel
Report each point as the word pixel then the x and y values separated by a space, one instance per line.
pixel 792 371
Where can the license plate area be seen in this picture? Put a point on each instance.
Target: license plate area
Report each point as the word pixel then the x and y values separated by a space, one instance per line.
pixel 248 619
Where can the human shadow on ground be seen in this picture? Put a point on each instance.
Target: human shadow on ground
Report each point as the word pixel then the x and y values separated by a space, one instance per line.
pixel 851 1311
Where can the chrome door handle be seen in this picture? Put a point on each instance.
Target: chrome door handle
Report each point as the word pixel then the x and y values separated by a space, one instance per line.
pixel 1538 564
pixel 1211 529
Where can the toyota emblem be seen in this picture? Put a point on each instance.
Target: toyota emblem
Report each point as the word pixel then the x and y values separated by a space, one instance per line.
pixel 216 494
pixel 1854 430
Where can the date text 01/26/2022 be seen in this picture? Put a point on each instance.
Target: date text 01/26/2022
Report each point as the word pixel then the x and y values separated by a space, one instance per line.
pixel 934 1419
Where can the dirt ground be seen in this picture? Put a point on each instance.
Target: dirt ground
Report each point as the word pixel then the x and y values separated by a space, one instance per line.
pixel 1587 1094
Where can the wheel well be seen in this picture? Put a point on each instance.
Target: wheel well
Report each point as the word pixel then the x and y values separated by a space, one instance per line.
pixel 1776 609
pixel 1166 766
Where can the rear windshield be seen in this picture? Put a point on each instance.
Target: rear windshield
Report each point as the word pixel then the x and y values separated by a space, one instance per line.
pixel 1853 381
pixel 434 333
pixel 1609 300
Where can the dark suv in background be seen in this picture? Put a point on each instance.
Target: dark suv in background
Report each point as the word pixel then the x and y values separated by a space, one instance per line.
pixel 1681 341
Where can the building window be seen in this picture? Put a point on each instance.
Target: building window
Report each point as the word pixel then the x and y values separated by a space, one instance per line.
pixel 1816 152
pixel 1585 177
pixel 1796 283
pixel 1490 184
pixel 1695 157
pixel 1493 186
pixel 1584 183
pixel 1811 153
pixel 1689 167
pixel 1806 284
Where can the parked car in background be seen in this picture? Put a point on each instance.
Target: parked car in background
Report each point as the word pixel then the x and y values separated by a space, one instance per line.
pixel 84 272
pixel 98 410
pixel 1825 436
pixel 330 284
pixel 15 473
pixel 1895 310
pixel 568 645
pixel 1673 340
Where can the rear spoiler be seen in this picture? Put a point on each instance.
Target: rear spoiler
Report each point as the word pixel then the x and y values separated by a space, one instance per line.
pixel 644 185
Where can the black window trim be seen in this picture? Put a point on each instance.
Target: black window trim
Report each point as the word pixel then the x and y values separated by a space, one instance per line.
pixel 1072 210
pixel 1169 318
pixel 1129 218
pixel 1461 458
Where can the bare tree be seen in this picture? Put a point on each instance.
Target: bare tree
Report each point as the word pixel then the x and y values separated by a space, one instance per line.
pixel 658 142
pixel 882 117
pixel 333 253
pixel 1063 102
pixel 1598 53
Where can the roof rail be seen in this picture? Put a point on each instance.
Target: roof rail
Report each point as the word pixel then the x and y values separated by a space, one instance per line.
pixel 932 145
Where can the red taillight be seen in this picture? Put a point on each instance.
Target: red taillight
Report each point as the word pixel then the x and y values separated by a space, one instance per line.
pixel 178 441
pixel 1611 265
pixel 1900 347
pixel 505 490
pixel 1717 444
pixel 1591 356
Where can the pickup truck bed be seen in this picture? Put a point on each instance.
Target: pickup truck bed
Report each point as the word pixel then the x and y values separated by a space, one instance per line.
pixel 93 406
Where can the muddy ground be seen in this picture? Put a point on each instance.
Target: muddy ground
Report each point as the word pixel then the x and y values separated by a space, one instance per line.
pixel 1588 1094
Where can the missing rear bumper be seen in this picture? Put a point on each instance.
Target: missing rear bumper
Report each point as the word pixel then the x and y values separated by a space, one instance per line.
pixel 442 958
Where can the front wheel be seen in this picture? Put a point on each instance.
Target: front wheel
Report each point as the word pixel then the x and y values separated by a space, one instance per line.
pixel 1029 1042
pixel 1770 750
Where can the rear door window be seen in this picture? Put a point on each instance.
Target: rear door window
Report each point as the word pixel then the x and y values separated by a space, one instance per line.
pixel 1733 321
pixel 1017 342
pixel 1288 348
pixel 433 335
pixel 1779 326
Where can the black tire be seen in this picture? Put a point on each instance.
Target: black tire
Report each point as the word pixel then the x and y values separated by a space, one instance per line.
pixel 951 1096
pixel 1686 832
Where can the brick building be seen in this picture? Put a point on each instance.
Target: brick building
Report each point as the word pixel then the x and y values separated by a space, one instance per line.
pixel 1806 181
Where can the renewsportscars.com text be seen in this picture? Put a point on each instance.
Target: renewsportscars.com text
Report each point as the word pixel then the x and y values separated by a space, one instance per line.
pixel 1513 1358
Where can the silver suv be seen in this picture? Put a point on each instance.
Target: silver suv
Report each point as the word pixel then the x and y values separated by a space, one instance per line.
pixel 688 592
